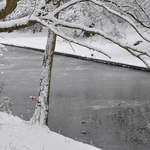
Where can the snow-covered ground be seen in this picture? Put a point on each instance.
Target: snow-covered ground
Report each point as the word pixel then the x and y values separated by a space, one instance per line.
pixel 38 41
pixel 17 134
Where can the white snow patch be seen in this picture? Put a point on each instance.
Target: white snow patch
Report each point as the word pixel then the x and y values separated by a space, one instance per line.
pixel 17 134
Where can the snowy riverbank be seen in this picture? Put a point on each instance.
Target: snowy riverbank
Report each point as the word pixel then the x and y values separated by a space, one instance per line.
pixel 117 54
pixel 17 134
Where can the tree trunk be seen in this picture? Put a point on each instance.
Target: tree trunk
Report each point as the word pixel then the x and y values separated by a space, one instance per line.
pixel 42 107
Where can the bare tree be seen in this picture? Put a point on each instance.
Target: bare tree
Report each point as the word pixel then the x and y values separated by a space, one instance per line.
pixel 46 12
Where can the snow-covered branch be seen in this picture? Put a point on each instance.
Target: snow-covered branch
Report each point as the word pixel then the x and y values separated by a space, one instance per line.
pixel 123 16
pixel 66 5
pixel 129 48
pixel 60 34
pixel 138 53
pixel 137 20
pixel 14 23
pixel 135 52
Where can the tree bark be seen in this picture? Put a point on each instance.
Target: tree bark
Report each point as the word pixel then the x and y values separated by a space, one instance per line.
pixel 42 107
pixel 40 115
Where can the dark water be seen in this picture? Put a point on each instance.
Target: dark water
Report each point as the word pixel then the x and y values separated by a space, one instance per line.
pixel 99 104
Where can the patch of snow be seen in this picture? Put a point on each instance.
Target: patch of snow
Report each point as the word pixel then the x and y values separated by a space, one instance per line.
pixel 17 134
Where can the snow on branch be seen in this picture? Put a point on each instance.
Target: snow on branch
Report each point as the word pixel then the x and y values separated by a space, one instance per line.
pixel 135 52
pixel 125 46
pixel 130 14
pixel 121 15
pixel 57 23
pixel 101 4
pixel 66 5
pixel 14 23
pixel 70 39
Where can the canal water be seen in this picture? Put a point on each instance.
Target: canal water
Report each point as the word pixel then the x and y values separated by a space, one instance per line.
pixel 19 79
pixel 99 104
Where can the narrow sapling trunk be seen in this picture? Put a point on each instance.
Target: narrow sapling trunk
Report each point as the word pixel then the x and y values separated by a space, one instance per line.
pixel 42 107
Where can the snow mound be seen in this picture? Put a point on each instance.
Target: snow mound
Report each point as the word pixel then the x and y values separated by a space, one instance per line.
pixel 17 134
